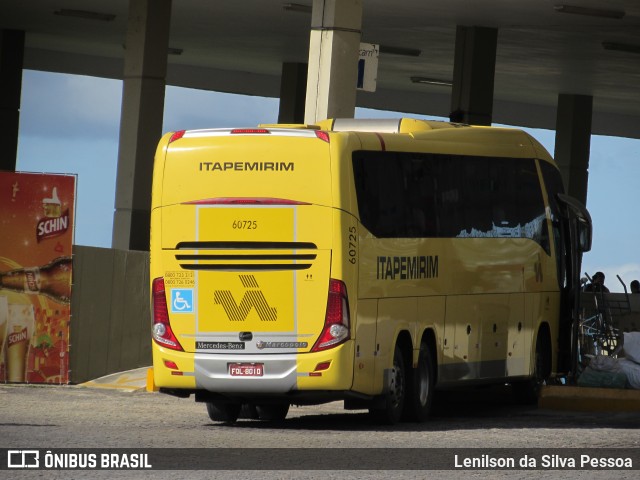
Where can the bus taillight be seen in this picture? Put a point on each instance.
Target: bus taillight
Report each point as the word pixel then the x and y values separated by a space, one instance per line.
pixel 322 135
pixel 161 330
pixel 336 322
pixel 177 135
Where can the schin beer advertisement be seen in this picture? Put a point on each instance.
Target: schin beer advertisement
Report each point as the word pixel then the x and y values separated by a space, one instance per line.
pixel 36 221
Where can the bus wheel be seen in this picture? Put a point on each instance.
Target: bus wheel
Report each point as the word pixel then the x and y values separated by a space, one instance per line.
pixel 420 388
pixel 273 413
pixel 393 402
pixel 527 392
pixel 223 412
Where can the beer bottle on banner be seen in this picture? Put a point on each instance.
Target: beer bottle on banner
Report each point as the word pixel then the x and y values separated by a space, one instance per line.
pixel 52 280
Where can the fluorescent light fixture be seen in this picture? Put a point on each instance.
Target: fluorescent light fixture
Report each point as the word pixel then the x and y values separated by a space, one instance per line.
pixel 407 52
pixel 432 81
pixel 296 7
pixel 170 50
pixel 591 12
pixel 621 47
pixel 102 17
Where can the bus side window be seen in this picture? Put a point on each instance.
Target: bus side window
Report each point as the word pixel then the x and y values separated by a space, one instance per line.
pixel 419 195
pixel 554 185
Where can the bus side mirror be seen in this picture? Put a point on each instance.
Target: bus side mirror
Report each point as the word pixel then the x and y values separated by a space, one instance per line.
pixel 584 236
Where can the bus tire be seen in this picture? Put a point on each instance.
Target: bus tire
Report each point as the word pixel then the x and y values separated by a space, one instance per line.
pixel 527 392
pixel 273 413
pixel 223 411
pixel 393 401
pixel 420 388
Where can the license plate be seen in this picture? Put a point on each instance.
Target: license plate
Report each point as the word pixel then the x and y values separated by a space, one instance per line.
pixel 246 369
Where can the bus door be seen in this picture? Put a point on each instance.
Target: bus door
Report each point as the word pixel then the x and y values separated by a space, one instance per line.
pixel 575 239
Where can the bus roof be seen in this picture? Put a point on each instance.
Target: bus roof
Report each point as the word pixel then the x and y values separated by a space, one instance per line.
pixel 487 140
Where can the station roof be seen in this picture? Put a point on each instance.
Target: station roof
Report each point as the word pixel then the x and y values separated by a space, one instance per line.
pixel 545 48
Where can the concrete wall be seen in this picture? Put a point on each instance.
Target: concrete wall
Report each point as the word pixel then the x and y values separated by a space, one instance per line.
pixel 110 312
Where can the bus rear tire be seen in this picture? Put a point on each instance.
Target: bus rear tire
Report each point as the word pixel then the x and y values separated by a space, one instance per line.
pixel 273 413
pixel 223 412
pixel 527 392
pixel 420 391
pixel 393 402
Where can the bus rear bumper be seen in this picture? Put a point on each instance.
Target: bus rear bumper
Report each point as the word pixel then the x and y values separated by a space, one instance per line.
pixel 264 373
pixel 251 374
pixel 276 373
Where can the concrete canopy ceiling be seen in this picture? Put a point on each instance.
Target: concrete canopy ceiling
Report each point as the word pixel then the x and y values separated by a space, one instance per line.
pixel 239 47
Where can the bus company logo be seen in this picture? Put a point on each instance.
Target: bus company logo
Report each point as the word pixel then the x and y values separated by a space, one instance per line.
pixel 247 166
pixel 253 298
pixel 407 268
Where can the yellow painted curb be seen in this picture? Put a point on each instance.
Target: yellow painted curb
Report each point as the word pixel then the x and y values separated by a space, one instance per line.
pixel 132 381
pixel 587 399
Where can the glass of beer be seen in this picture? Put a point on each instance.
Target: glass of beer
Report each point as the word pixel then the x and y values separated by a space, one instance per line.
pixel 19 333
pixel 52 206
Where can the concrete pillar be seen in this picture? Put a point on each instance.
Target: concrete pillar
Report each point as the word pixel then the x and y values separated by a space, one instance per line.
pixel 333 59
pixel 573 142
pixel 11 59
pixel 145 69
pixel 293 85
pixel 473 74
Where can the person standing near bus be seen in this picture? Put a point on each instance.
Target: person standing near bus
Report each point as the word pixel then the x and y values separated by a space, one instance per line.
pixel 597 284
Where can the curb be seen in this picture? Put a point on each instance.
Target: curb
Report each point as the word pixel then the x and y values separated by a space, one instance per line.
pixel 130 381
pixel 588 399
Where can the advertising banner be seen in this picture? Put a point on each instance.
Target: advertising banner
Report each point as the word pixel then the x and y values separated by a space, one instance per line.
pixel 36 221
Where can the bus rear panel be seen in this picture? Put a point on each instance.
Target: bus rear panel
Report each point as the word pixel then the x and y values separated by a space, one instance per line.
pixel 242 235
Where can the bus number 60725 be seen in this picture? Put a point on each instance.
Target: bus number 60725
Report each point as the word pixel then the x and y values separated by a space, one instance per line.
pixel 352 245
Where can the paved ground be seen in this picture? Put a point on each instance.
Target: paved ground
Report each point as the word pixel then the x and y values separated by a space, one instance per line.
pixel 76 417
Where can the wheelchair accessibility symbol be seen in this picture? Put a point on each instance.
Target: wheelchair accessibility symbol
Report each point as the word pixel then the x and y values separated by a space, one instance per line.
pixel 182 300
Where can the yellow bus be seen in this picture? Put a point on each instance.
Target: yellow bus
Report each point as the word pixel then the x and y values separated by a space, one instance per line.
pixel 369 261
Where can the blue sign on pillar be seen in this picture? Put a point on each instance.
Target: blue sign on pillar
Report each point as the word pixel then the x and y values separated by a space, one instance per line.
pixel 368 67
pixel 361 73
